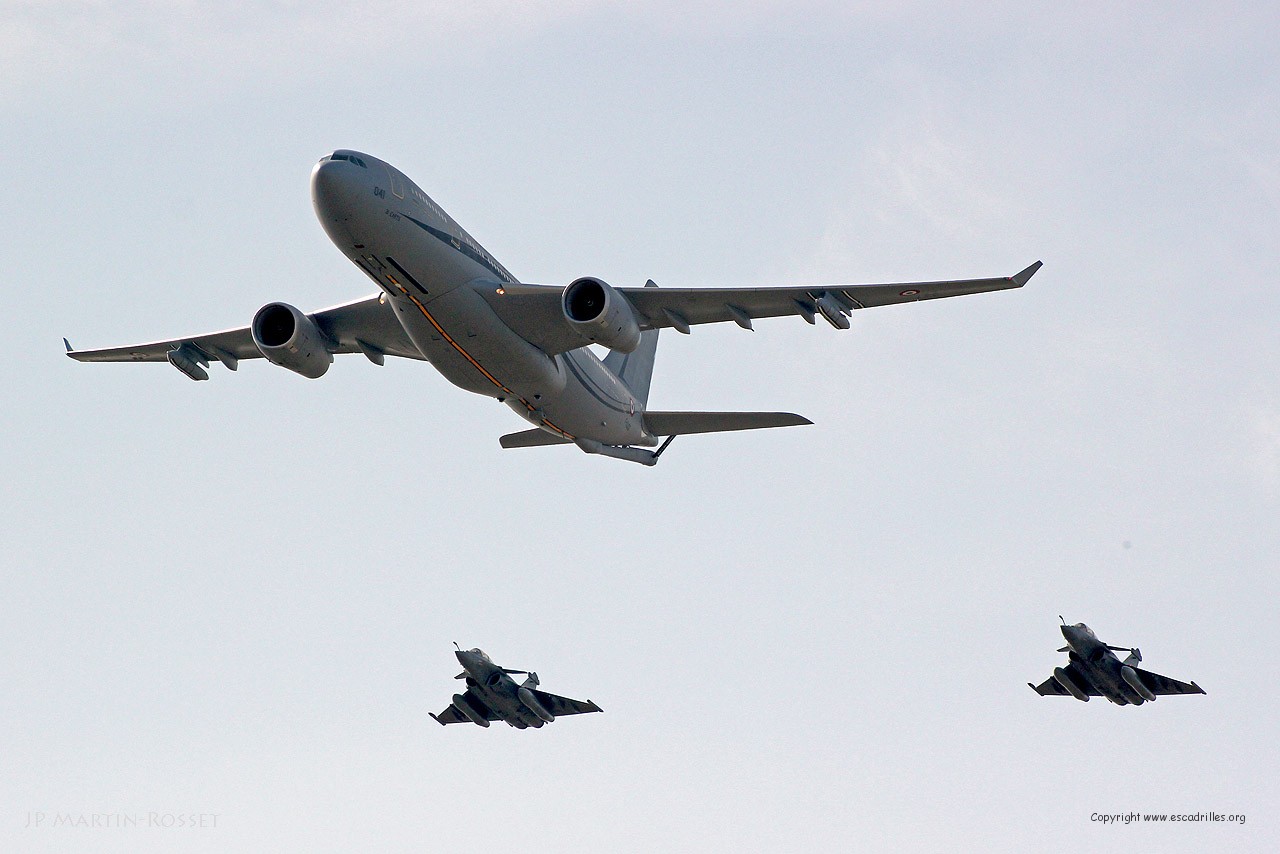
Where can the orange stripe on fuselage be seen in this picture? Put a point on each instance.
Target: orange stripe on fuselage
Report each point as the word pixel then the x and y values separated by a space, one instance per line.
pixel 490 377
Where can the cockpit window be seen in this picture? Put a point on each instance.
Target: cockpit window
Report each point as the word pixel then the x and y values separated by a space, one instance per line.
pixel 480 652
pixel 338 155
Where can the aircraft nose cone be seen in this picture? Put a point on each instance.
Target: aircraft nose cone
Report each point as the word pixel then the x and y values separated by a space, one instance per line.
pixel 337 193
pixel 334 190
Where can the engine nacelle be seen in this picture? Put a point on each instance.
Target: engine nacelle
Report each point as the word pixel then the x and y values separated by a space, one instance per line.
pixel 290 339
pixel 1061 677
pixel 601 314
pixel 531 703
pixel 1134 681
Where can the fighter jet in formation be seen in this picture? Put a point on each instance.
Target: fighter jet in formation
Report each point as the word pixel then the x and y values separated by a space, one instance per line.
pixel 1094 671
pixel 492 695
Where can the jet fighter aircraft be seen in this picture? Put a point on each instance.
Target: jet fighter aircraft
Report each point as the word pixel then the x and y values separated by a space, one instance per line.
pixel 445 300
pixel 1094 671
pixel 492 695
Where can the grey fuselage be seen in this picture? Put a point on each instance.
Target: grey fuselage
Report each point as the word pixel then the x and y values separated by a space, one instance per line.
pixel 433 273
pixel 497 689
pixel 1095 662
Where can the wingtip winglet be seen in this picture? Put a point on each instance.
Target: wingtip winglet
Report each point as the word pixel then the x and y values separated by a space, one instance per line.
pixel 67 344
pixel 436 719
pixel 1198 688
pixel 1022 278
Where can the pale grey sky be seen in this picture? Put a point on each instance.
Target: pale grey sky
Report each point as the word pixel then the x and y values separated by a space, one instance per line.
pixel 237 597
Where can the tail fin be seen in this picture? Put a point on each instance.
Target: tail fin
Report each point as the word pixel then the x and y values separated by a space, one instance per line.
pixel 636 368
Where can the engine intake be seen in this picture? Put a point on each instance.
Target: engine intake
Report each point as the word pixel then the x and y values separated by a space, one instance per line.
pixel 601 314
pixel 290 339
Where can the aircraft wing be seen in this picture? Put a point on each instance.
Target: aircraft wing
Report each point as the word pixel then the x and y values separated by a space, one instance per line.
pixel 563 705
pixel 535 313
pixel 1051 688
pixel 451 715
pixel 1163 685
pixel 368 322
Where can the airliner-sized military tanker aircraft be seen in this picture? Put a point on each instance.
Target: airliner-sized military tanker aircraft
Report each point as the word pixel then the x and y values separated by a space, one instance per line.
pixel 445 300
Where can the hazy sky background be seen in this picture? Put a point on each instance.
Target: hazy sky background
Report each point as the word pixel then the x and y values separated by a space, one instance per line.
pixel 238 597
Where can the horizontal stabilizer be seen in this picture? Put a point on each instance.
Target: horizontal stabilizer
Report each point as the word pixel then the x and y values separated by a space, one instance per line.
pixel 534 438
pixel 684 423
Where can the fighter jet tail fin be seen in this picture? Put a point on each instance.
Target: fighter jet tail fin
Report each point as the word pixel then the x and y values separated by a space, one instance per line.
pixel 1134 656
pixel 635 369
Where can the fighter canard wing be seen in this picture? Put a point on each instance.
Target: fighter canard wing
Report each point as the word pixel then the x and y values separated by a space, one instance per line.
pixel 1163 685
pixel 1051 688
pixel 365 326
pixel 536 313
pixel 558 706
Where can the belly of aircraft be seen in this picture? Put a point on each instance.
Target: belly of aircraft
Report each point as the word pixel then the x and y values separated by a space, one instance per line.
pixel 443 347
pixel 570 395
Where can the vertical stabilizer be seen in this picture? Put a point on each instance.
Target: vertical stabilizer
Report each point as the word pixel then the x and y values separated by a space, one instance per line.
pixel 636 368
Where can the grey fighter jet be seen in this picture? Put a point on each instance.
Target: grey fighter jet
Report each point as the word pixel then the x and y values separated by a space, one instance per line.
pixel 492 695
pixel 1094 671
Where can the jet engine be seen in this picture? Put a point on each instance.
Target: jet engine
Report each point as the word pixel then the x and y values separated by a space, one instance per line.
pixel 1135 682
pixel 290 339
pixel 601 314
